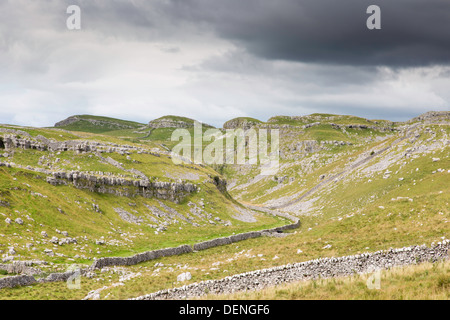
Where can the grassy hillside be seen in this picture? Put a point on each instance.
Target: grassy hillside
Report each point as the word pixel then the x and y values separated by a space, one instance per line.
pixel 358 189
pixel 90 217
pixel 97 124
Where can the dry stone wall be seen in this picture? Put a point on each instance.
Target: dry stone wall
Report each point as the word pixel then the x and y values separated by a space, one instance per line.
pixel 150 255
pixel 323 268
pixel 242 236
pixel 27 279
pixel 141 257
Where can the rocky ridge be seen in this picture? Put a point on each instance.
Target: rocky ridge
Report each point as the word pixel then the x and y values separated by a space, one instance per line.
pixel 95 122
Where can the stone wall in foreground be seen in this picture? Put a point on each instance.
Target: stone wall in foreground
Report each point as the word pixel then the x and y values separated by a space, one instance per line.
pixel 323 268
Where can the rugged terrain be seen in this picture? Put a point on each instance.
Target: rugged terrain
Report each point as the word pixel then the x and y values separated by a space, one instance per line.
pixel 97 187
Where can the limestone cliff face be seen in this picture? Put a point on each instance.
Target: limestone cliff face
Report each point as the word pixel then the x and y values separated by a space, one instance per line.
pixel 220 183
pixel 67 121
pixel 172 191
pixel 40 143
pixel 433 117
pixel 174 122
pixel 170 123
pixel 241 123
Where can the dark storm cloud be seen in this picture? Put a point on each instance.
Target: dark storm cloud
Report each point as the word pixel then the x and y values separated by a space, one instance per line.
pixel 414 32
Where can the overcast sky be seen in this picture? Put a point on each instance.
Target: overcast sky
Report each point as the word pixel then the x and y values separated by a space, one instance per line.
pixel 214 60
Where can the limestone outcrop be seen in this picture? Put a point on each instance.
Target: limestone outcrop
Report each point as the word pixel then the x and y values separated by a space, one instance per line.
pixel 173 122
pixel 121 186
pixel 241 123
pixel 432 117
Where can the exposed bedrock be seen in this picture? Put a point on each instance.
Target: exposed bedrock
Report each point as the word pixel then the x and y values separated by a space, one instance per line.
pixel 173 191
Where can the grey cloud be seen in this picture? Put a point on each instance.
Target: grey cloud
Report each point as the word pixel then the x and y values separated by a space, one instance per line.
pixel 241 62
pixel 414 32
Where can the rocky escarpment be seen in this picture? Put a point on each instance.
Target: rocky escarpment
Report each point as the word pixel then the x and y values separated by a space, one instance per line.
pixel 173 122
pixel 101 123
pixel 13 139
pixel 169 123
pixel 220 183
pixel 132 184
pixel 67 121
pixel 173 191
pixel 105 182
pixel 432 117
pixel 241 123
pixel 323 268
pixel 363 126
pixel 305 122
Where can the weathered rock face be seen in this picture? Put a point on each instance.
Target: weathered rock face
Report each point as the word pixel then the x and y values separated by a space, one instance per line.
pixel 220 183
pixel 103 182
pixel 302 118
pixel 11 282
pixel 240 123
pixel 67 121
pixel 170 123
pixel 174 122
pixel 20 267
pixel 319 120
pixel 433 117
pixel 12 141
pixel 323 268
pixel 363 126
pixel 172 191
